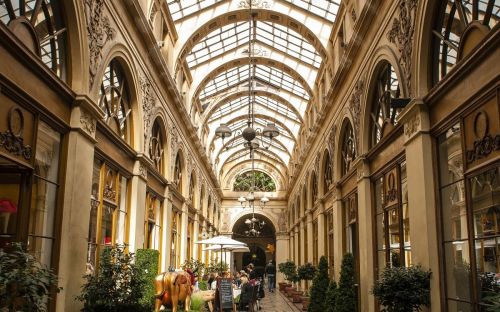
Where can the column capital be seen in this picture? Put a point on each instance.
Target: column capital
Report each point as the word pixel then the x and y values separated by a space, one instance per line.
pixel 415 119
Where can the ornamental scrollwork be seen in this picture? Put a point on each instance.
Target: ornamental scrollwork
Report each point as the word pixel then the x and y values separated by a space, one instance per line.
pixel 88 123
pixel 485 143
pixel 412 126
pixel 148 104
pixel 355 107
pixel 401 34
pixel 257 4
pixel 99 32
pixel 143 171
pixel 11 140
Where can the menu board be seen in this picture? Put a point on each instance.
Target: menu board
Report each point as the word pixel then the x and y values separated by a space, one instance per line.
pixel 225 290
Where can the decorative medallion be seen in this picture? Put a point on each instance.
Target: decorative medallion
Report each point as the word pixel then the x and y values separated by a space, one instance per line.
pixel 99 32
pixel 401 34
pixel 257 51
pixel 484 142
pixel 11 140
pixel 256 4
pixel 391 188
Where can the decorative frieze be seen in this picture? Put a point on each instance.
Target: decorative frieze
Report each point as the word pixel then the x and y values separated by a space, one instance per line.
pixel 143 171
pixel 99 32
pixel 401 34
pixel 412 126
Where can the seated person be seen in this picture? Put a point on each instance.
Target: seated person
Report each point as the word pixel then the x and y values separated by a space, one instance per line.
pixel 246 293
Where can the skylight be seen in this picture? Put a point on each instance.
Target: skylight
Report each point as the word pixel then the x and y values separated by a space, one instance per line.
pixel 326 9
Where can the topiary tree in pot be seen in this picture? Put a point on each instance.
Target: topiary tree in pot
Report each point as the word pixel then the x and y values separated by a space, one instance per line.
pixel 289 269
pixel 346 298
pixel 319 287
pixel 25 284
pixel 403 289
pixel 331 295
pixel 306 273
pixel 147 262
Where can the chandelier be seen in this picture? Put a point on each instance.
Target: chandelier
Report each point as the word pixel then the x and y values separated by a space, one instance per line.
pixel 250 134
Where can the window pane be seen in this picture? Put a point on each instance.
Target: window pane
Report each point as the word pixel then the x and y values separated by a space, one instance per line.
pixel 450 156
pixel 122 213
pixel 457 270
pixel 9 200
pixel 454 212
pixel 43 206
pixel 459 306
pixel 107 225
pixel 41 249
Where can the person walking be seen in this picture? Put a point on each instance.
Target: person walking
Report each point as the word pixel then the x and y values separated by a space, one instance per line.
pixel 271 276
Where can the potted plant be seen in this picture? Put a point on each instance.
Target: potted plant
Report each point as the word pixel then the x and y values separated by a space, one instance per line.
pixel 317 300
pixel 305 273
pixel 117 285
pixel 346 295
pixel 403 289
pixel 288 269
pixel 25 284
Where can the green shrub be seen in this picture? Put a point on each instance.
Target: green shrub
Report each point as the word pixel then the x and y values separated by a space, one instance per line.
pixel 216 267
pixel 147 262
pixel 402 289
pixel 319 287
pixel 346 298
pixel 25 284
pixel 289 269
pixel 331 294
pixel 196 266
pixel 306 272
pixel 116 285
pixel 202 285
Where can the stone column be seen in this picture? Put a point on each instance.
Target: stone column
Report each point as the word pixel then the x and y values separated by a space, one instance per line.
pixel 296 256
pixel 196 234
pixel 309 243
pixel 77 164
pixel 322 251
pixel 167 229
pixel 365 242
pixel 303 245
pixel 282 253
pixel 338 237
pixel 421 197
pixel 184 229
pixel 137 209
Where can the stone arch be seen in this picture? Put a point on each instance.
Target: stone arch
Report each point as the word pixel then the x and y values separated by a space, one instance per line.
pixel 120 54
pixel 77 56
pixel 275 174
pixel 382 54
pixel 159 119
pixel 322 185
pixel 347 122
pixel 313 189
pixel 273 218
pixel 182 179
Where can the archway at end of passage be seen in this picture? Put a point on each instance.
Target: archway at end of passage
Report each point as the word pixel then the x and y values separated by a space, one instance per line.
pixel 262 248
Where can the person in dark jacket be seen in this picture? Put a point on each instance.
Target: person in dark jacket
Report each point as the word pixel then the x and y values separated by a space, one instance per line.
pixel 252 274
pixel 271 276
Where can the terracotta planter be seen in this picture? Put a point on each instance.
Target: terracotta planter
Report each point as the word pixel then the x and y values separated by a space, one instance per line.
pixel 297 296
pixel 289 291
pixel 305 303
pixel 282 286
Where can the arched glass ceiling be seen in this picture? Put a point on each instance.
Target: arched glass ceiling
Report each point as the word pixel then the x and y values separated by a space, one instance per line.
pixel 278 109
pixel 182 8
pixel 269 75
pixel 272 35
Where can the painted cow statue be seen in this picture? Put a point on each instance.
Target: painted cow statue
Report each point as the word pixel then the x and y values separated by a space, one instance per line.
pixel 173 288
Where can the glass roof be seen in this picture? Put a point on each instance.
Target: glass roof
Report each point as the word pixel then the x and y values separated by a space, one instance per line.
pixel 182 8
pixel 269 75
pixel 326 9
pixel 260 101
pixel 236 35
pixel 283 96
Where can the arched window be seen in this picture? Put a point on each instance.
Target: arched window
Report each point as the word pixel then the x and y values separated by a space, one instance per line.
pixel 154 216
pixel 384 109
pixel 156 145
pixel 314 188
pixel 460 27
pixel 348 148
pixel 39 25
pixel 115 100
pixel 178 173
pixel 328 172
pixel 263 182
